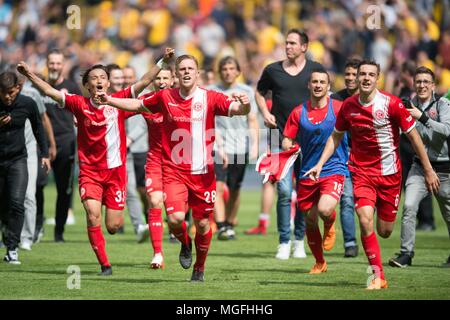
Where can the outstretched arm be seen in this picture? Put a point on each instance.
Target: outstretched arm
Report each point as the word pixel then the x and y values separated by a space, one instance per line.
pixel 332 143
pixel 134 105
pixel 241 106
pixel 150 75
pixel 47 89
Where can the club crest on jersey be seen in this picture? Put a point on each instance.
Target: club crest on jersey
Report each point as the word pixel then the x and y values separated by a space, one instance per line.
pixel 432 114
pixel 198 107
pixel 109 111
pixel 379 114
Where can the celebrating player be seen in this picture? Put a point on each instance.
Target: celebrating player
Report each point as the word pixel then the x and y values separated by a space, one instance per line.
pixel 315 120
pixel 101 149
pixel 187 141
pixel 374 119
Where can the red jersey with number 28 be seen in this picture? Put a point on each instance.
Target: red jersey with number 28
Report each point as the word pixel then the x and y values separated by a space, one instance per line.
pixel 188 128
pixel 375 132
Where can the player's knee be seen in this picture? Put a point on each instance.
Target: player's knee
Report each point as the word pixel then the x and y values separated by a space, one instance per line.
pixel 113 227
pixel 174 220
pixel 156 202
pixel 325 211
pixel 384 233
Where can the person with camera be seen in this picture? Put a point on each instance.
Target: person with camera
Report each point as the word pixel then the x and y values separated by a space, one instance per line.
pixel 433 124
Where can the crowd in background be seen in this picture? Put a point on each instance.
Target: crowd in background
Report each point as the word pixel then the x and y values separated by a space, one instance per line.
pixel 135 32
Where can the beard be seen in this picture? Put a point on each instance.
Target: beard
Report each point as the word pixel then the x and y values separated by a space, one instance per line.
pixel 53 75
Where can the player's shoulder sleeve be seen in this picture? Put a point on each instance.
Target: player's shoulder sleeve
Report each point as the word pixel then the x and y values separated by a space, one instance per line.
pixel 219 102
pixel 400 115
pixel 151 101
pixel 337 105
pixel 342 122
pixel 293 123
pixel 71 102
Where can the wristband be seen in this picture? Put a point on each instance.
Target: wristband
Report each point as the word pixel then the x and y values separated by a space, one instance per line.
pixel 423 118
pixel 161 64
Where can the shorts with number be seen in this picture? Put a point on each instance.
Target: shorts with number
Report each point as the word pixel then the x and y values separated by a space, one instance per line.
pixel 380 192
pixel 183 191
pixel 309 191
pixel 107 186
pixel 153 172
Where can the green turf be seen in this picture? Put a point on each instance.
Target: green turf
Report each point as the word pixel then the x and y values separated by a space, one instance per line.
pixel 241 269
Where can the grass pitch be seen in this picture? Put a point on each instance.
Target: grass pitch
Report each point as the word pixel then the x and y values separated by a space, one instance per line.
pixel 244 269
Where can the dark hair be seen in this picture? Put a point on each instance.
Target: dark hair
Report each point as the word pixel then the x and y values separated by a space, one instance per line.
pixel 185 57
pixel 352 63
pixel 55 51
pixel 409 67
pixel 369 62
pixel 425 70
pixel 112 66
pixel 8 80
pixel 227 60
pixel 302 34
pixel 85 75
pixel 319 70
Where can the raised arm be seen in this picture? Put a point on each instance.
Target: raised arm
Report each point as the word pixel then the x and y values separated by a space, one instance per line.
pixel 47 89
pixel 152 73
pixel 330 147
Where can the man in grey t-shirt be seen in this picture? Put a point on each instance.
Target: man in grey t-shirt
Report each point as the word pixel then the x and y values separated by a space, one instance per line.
pixel 236 142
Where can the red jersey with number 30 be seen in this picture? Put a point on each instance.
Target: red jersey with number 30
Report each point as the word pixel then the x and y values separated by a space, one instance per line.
pixel 375 131
pixel 188 128
pixel 101 131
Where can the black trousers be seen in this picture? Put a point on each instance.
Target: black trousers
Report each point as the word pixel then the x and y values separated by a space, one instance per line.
pixel 42 180
pixel 13 185
pixel 63 168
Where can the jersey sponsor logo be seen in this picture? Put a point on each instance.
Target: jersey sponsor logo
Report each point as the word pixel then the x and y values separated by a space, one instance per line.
pixel 88 112
pixel 355 114
pixel 187 119
pixel 170 104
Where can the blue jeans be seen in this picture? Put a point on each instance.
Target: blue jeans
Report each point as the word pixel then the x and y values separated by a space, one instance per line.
pixel 347 214
pixel 284 189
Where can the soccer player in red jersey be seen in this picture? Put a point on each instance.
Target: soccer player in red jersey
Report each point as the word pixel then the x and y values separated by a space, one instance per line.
pixel 314 121
pixel 153 170
pixel 101 149
pixel 187 142
pixel 374 119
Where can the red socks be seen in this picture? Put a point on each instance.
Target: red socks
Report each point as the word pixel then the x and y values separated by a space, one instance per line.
pixel 98 243
pixel 328 223
pixel 372 250
pixel 315 243
pixel 155 226
pixel 181 234
pixel 202 243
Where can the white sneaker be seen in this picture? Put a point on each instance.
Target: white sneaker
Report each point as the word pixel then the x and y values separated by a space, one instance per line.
pixel 157 261
pixel 50 221
pixel 299 249
pixel 284 251
pixel 142 233
pixel 70 218
pixel 25 245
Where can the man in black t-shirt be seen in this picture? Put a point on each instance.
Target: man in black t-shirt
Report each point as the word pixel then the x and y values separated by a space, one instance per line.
pixel 288 82
pixel 64 131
